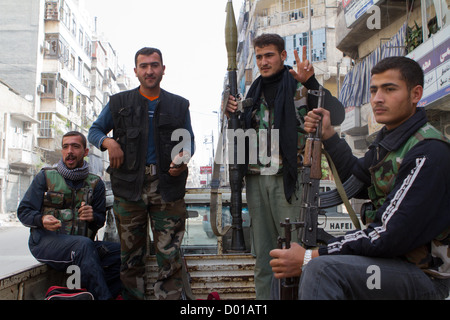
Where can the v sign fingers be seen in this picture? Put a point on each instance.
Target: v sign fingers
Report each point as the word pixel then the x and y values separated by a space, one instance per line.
pixel 305 69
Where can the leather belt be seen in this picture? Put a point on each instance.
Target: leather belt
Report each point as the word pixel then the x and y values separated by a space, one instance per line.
pixel 151 170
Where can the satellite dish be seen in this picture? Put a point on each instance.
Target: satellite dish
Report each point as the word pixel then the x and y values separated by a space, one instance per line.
pixel 29 97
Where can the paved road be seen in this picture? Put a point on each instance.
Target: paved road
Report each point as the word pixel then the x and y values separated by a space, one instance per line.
pixel 15 255
pixel 14 252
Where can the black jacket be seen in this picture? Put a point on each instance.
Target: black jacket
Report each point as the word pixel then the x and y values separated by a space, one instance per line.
pixel 418 206
pixel 129 110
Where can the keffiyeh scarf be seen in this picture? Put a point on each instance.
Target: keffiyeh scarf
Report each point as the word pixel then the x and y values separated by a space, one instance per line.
pixel 74 174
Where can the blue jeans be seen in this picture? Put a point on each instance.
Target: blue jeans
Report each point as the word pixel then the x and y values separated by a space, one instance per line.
pixel 99 261
pixel 338 277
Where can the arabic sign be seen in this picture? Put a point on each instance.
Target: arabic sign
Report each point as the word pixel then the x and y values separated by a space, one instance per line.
pixel 434 57
pixel 206 170
pixel 355 9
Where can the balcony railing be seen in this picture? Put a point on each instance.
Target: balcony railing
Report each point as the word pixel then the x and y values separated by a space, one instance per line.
pixel 22 158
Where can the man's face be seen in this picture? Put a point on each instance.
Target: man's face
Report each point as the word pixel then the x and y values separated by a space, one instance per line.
pixel 149 70
pixel 73 152
pixel 392 102
pixel 269 60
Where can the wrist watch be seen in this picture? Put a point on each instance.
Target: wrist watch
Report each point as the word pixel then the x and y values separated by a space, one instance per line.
pixel 307 258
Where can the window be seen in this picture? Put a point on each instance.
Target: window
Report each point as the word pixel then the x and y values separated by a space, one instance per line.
pixel 297 41
pixel 51 46
pixel 46 124
pixel 63 52
pixel 51 10
pixel 62 90
pixel 87 45
pixel 74 26
pixel 72 63
pixel 65 13
pixel 81 37
pixel 48 80
pixel 80 69
pixel 319 46
pixel 295 10
pixel 71 100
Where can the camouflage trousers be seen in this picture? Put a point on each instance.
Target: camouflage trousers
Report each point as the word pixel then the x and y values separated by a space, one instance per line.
pixel 167 221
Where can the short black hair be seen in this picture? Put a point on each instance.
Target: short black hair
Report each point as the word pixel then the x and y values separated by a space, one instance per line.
pixel 267 39
pixel 409 69
pixel 146 51
pixel 76 133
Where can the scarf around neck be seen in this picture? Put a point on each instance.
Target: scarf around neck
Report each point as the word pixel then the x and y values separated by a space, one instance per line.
pixel 74 174
pixel 285 120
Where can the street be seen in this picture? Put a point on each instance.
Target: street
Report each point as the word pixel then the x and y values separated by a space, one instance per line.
pixel 14 252
pixel 15 255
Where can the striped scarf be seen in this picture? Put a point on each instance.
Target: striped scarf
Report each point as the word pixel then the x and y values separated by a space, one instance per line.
pixel 75 174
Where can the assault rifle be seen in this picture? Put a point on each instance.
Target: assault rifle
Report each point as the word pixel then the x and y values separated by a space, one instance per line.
pixel 288 286
pixel 311 173
pixel 83 225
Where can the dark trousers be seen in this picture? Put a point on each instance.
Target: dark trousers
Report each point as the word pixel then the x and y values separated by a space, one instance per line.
pixel 350 277
pixel 99 261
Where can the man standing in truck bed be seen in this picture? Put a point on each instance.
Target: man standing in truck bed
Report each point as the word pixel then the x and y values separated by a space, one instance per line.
pixel 148 174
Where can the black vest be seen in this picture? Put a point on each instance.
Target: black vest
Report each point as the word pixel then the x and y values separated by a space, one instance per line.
pixel 129 111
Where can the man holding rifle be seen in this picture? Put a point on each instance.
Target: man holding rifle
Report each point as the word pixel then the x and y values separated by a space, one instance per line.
pixel 279 104
pixel 403 252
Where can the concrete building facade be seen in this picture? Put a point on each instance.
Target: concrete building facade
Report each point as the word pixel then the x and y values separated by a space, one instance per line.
pixel 57 75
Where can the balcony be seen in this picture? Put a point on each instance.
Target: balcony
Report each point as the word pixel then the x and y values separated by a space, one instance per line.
pixel 22 158
pixel 350 37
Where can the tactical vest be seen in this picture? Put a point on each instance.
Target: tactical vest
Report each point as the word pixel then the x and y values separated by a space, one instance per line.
pixel 129 110
pixel 63 202
pixel 383 179
pixel 385 172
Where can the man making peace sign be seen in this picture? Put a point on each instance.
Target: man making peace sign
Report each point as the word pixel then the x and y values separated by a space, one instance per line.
pixel 279 104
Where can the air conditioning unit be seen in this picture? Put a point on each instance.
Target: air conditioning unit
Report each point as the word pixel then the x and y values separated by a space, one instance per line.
pixel 41 89
pixel 447 131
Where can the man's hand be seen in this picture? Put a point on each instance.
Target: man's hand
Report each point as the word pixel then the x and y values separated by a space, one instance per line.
pixel 305 69
pixel 114 151
pixel 50 222
pixel 86 213
pixel 312 120
pixel 287 262
pixel 231 106
pixel 179 163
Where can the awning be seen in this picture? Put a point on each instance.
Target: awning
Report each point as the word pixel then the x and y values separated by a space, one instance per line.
pixel 355 89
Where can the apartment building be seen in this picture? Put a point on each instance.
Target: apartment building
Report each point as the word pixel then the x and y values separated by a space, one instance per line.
pixel 54 62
